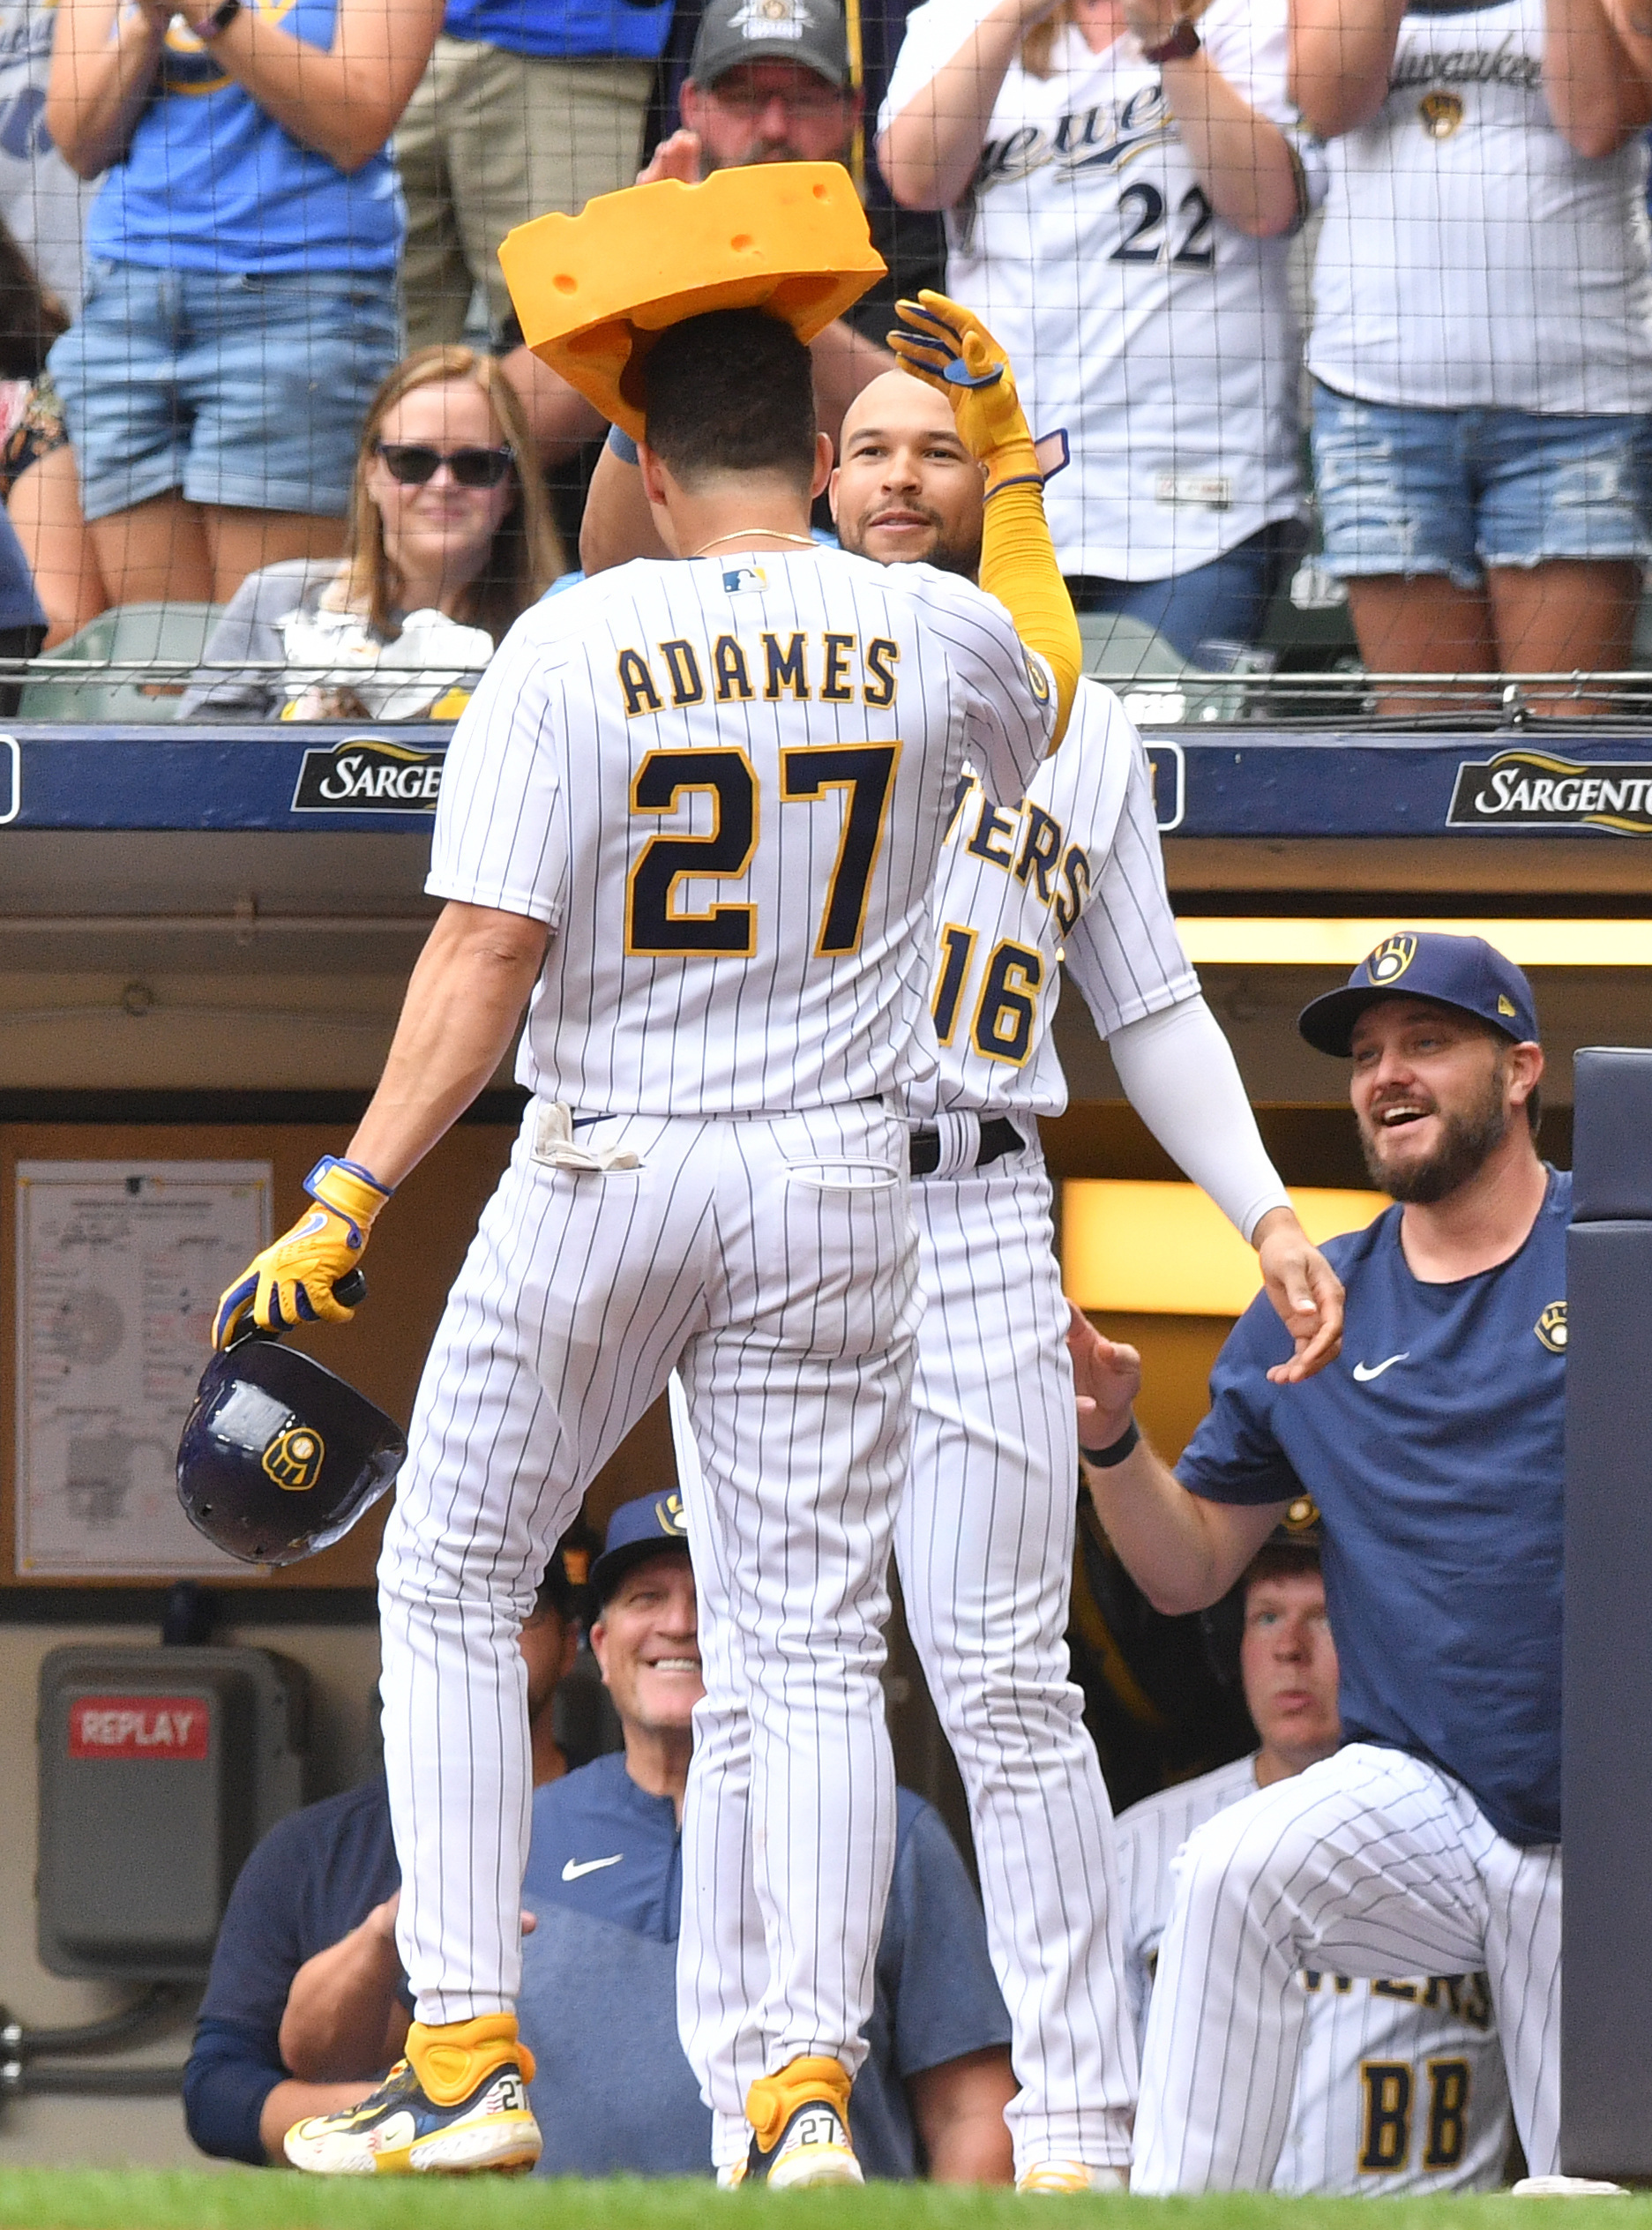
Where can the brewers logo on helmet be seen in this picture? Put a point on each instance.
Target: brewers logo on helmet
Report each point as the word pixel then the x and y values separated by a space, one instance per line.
pixel 278 1458
pixel 293 1458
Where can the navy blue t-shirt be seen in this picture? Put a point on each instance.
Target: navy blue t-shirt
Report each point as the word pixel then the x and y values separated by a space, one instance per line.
pixel 598 2004
pixel 316 1875
pixel 1434 1448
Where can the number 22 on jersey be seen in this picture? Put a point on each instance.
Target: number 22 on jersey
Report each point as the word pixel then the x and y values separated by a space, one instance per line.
pixel 657 926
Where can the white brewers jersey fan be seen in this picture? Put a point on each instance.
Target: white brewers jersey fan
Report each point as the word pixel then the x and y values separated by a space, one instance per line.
pixel 723 786
pixel 1400 2085
pixel 1160 336
pixel 1073 873
pixel 1469 256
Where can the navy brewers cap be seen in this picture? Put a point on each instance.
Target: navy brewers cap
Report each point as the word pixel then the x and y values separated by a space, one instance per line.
pixel 1464 972
pixel 636 1532
pixel 813 33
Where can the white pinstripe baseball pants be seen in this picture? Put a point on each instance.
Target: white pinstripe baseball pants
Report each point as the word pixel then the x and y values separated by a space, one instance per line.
pixel 984 1543
pixel 772 1258
pixel 1369 1863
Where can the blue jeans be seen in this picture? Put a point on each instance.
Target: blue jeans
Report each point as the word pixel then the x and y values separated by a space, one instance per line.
pixel 238 388
pixel 1412 492
pixel 1225 602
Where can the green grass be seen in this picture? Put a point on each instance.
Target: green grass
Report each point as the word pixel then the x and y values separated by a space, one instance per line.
pixel 141 2199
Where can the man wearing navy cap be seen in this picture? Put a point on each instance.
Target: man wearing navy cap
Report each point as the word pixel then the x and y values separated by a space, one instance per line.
pixel 1430 1842
pixel 613 2092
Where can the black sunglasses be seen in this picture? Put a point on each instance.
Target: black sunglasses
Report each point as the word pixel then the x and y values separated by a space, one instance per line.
pixel 413 463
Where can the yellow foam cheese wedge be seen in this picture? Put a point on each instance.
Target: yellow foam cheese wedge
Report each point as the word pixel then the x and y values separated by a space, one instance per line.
pixel 593 292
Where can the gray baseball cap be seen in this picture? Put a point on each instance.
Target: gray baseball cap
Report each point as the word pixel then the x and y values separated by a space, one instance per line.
pixel 810 33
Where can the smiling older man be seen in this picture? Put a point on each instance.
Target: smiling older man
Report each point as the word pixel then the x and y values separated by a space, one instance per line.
pixel 613 2092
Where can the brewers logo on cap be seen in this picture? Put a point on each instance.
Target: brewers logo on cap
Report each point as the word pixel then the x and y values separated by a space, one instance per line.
pixel 293 1458
pixel 1304 1512
pixel 668 1510
pixel 1392 958
pixel 1550 1328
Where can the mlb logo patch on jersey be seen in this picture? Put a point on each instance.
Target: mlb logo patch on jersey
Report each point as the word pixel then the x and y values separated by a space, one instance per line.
pixel 735 578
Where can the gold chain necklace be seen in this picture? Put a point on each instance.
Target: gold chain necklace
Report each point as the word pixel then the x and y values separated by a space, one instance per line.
pixel 737 533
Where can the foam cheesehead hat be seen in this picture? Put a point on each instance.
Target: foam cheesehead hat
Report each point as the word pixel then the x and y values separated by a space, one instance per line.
pixel 592 293
pixel 1464 972
pixel 636 1532
pixel 813 33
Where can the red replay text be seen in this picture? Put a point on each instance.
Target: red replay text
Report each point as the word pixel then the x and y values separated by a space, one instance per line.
pixel 137 1727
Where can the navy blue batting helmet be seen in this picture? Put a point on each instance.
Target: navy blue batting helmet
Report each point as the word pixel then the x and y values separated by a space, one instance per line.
pixel 278 1458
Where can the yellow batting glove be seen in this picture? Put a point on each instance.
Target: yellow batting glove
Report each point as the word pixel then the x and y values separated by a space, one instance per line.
pixel 292 1282
pixel 949 348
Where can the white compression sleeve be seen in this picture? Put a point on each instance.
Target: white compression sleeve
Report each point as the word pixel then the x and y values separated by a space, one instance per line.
pixel 1179 1074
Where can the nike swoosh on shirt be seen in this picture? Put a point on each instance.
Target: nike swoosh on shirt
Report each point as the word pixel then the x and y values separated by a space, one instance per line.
pixel 575 1867
pixel 1365 1371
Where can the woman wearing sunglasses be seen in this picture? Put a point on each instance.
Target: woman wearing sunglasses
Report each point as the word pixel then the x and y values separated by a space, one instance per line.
pixel 451 538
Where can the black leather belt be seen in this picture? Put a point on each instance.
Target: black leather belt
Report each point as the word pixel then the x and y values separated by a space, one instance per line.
pixel 998 1138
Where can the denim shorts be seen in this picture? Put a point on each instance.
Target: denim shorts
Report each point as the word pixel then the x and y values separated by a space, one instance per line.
pixel 238 388
pixel 1408 491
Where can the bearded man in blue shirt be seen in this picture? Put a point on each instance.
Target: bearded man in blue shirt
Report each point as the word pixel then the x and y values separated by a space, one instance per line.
pixel 1430 1842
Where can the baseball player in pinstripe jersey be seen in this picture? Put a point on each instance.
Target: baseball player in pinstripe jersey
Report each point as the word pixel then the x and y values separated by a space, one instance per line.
pixel 695 809
pixel 1400 2087
pixel 984 1537
pixel 1430 1844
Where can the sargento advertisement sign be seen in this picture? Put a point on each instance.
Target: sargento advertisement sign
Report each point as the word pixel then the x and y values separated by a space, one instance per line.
pixel 1523 789
pixel 364 774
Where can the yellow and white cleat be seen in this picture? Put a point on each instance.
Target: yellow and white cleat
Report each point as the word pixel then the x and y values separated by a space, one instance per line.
pixel 800 2123
pixel 1051 2176
pixel 456 2106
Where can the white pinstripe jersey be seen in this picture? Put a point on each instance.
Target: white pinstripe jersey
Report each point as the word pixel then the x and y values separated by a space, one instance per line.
pixel 724 785
pixel 1400 2085
pixel 1074 872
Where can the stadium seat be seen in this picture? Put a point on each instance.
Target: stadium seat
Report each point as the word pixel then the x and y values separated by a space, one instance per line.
pixel 1155 683
pixel 132 634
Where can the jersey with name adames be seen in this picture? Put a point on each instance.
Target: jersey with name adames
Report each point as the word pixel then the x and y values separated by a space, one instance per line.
pixel 1075 873
pixel 1400 2085
pixel 723 786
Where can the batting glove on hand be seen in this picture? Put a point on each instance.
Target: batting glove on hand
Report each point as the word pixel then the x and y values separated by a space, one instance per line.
pixel 949 348
pixel 292 1282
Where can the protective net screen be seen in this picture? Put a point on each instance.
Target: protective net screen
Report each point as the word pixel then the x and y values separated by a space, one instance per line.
pixel 1344 311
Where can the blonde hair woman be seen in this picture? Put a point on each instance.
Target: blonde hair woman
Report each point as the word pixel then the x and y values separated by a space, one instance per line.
pixel 1119 178
pixel 451 538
